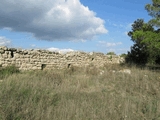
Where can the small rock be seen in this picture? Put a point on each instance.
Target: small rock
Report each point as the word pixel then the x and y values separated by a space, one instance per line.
pixel 128 71
pixel 101 72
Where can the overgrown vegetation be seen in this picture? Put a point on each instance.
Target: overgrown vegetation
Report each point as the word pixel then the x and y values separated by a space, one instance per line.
pixel 9 70
pixel 81 94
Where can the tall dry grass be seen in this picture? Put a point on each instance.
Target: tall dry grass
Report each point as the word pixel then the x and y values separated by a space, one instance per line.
pixel 81 94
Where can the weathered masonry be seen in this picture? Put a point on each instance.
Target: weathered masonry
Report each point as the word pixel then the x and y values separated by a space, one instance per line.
pixel 44 59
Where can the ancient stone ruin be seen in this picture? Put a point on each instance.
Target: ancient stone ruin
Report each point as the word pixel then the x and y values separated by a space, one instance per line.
pixel 44 59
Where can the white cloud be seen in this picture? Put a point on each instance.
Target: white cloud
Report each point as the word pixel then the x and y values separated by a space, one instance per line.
pixel 129 26
pixel 126 33
pixel 60 50
pixel 111 50
pixel 51 20
pixel 109 44
pixel 33 45
pixel 76 41
pixel 4 41
pixel 115 25
pixel 7 28
pixel 118 25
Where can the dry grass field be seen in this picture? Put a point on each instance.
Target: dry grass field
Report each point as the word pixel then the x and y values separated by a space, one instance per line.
pixel 80 94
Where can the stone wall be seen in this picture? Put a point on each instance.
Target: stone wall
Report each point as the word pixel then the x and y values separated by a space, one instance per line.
pixel 43 59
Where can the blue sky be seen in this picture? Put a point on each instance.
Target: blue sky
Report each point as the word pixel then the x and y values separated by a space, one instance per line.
pixel 66 25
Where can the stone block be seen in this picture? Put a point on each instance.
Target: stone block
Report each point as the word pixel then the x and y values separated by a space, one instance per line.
pixel 2 51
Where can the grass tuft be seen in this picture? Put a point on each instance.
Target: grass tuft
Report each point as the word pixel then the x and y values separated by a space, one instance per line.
pixel 9 70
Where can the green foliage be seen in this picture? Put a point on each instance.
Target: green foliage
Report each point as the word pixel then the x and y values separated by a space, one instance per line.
pixel 152 42
pixel 146 48
pixel 123 55
pixel 139 25
pixel 152 39
pixel 9 70
pixel 153 10
pixel 111 53
pixel 138 53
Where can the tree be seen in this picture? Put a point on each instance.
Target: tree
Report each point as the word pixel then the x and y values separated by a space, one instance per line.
pixel 151 40
pixel 146 48
pixel 154 11
pixel 146 37
pixel 138 53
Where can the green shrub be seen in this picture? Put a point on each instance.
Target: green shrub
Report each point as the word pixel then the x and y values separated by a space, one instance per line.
pixel 123 55
pixel 111 53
